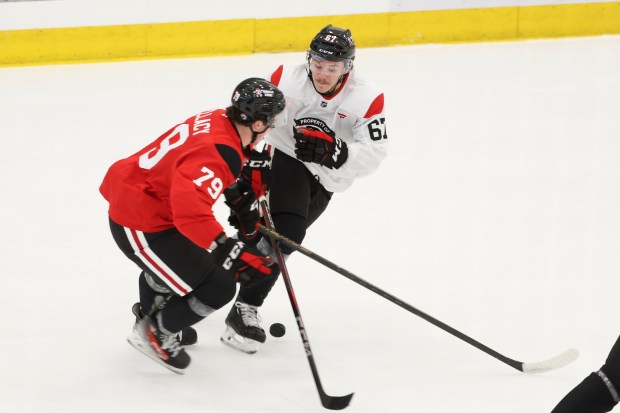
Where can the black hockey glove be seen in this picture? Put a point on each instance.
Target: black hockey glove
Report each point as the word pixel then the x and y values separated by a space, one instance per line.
pixel 318 147
pixel 243 206
pixel 256 173
pixel 246 265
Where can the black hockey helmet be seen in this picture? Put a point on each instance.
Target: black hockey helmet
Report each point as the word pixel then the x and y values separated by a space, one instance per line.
pixel 257 99
pixel 334 44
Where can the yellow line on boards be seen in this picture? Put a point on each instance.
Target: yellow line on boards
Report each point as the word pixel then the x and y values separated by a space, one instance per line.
pixel 243 36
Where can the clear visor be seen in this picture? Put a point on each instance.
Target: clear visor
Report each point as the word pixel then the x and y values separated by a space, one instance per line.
pixel 320 59
pixel 277 120
pixel 323 58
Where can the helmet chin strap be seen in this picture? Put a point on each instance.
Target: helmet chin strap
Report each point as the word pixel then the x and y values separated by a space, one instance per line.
pixel 255 134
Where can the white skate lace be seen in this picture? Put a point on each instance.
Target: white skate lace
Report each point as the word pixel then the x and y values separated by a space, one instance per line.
pixel 179 336
pixel 171 344
pixel 249 314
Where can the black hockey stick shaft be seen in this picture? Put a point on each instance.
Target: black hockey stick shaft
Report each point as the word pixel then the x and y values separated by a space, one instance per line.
pixel 275 236
pixel 329 402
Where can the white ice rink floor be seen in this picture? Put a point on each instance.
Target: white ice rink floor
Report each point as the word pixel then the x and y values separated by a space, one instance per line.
pixel 497 212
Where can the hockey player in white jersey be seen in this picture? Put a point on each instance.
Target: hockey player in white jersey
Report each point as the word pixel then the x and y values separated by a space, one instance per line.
pixel 335 132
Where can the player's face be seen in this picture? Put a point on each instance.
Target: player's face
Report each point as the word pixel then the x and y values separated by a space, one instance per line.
pixel 325 74
pixel 260 128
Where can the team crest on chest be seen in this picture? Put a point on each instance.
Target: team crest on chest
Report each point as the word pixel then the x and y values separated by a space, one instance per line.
pixel 314 123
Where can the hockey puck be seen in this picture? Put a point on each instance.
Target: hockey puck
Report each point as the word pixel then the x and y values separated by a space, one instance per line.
pixel 277 330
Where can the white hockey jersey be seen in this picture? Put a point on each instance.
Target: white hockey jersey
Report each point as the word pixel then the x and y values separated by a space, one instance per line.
pixel 354 114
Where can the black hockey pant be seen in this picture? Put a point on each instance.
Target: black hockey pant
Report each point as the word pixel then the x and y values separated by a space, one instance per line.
pixel 296 200
pixel 175 267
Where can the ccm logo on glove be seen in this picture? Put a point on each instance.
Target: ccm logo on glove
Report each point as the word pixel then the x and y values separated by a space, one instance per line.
pixel 247 265
pixel 233 255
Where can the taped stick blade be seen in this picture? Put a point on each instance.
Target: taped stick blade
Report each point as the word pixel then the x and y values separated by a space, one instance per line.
pixel 554 363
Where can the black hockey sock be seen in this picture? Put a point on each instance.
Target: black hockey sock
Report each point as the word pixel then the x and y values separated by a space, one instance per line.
pixel 149 289
pixel 612 365
pixel 257 294
pixel 589 396
pixel 292 226
pixel 176 315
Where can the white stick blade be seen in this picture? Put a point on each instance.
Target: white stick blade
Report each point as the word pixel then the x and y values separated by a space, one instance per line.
pixel 554 363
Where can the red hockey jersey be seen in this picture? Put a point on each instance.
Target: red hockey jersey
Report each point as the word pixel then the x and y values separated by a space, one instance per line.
pixel 174 181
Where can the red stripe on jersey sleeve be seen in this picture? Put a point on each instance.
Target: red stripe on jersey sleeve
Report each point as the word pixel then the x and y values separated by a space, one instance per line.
pixel 375 108
pixel 277 75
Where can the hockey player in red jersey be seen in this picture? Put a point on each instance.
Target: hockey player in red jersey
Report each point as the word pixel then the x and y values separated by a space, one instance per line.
pixel 161 216
pixel 335 133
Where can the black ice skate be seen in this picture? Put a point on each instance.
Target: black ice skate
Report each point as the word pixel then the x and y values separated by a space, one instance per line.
pixel 163 348
pixel 186 337
pixel 243 331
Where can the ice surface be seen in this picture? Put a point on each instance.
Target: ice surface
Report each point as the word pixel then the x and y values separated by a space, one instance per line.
pixel 497 212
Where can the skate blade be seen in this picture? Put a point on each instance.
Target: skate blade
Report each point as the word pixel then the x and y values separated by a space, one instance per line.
pixel 146 350
pixel 233 340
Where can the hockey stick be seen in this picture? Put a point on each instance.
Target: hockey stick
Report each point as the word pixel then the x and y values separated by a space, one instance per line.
pixel 329 402
pixel 556 362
